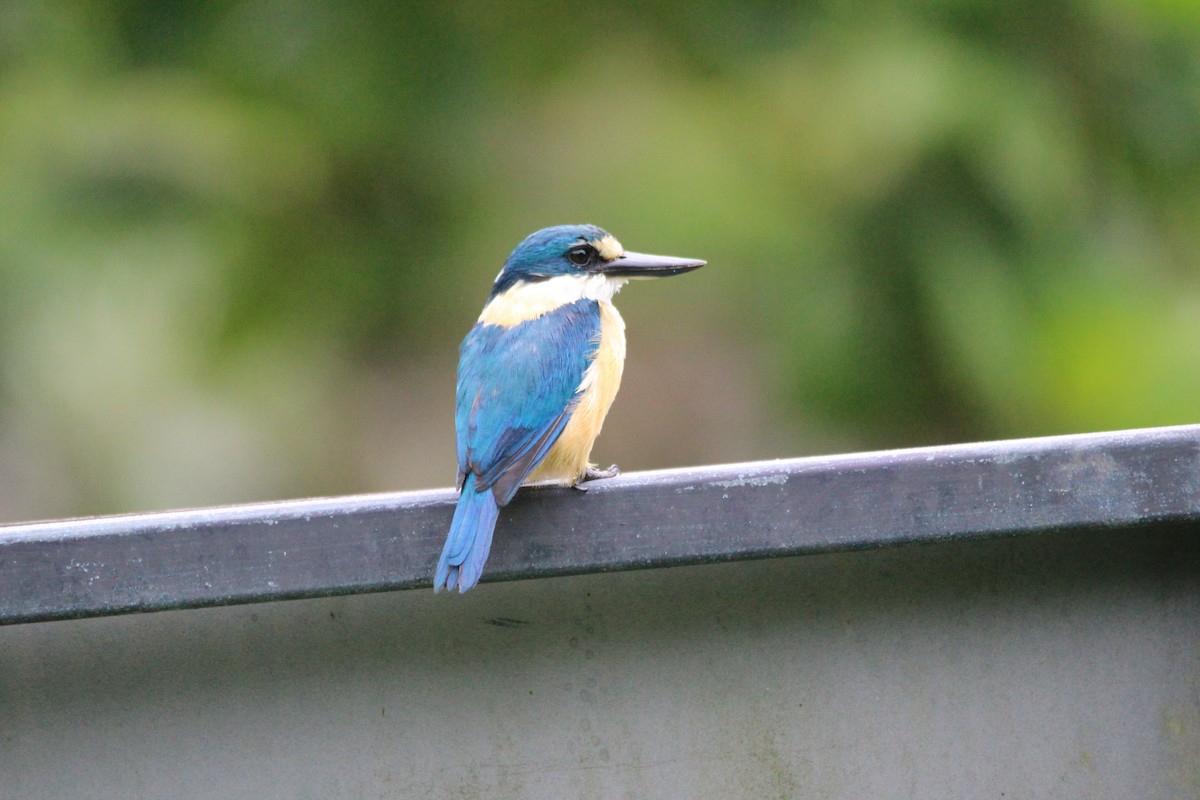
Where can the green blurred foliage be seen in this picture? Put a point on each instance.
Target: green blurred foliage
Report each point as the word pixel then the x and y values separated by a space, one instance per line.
pixel 239 241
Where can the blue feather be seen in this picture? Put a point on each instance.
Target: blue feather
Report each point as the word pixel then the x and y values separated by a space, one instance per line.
pixel 469 540
pixel 516 388
pixel 541 255
pixel 516 391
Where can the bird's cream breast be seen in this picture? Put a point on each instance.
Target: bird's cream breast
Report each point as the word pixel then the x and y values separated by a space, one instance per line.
pixel 569 458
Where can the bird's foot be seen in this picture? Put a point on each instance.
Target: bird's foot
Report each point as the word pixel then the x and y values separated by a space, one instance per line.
pixel 593 474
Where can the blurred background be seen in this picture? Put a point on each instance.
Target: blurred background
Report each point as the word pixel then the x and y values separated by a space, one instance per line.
pixel 240 241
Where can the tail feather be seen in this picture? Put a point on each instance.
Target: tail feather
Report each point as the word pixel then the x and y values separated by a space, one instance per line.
pixel 469 540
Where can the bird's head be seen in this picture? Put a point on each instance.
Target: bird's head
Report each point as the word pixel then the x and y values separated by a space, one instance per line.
pixel 583 251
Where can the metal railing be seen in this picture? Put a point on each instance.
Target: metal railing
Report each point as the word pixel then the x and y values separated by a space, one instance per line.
pixel 310 548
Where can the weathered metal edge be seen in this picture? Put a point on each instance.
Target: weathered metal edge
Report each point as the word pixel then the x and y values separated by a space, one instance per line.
pixel 308 548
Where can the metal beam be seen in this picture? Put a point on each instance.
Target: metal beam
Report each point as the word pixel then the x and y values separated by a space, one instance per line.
pixel 309 548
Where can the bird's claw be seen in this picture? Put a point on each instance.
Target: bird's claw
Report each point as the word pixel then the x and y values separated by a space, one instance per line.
pixel 595 474
pixel 592 474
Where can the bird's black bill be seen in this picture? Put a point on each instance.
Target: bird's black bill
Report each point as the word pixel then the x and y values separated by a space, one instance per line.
pixel 641 265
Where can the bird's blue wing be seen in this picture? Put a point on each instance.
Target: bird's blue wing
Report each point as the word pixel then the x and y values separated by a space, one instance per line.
pixel 516 388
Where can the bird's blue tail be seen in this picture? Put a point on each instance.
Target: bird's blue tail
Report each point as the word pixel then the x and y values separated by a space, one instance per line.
pixel 469 540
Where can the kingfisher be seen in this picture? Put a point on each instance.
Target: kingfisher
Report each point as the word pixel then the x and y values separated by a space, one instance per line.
pixel 536 377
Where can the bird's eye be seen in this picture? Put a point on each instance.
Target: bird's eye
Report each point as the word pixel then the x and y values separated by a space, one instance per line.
pixel 580 256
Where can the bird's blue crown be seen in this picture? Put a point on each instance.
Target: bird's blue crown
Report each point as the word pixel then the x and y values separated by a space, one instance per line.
pixel 547 254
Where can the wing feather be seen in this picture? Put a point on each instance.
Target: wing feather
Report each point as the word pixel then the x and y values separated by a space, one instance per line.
pixel 516 390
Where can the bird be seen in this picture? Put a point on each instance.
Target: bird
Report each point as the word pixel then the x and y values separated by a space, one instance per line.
pixel 536 376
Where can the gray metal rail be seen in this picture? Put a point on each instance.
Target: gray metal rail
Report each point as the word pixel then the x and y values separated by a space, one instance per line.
pixel 309 548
